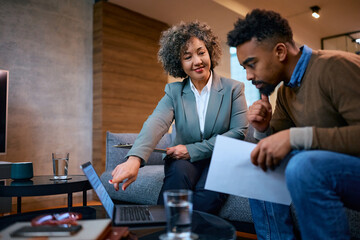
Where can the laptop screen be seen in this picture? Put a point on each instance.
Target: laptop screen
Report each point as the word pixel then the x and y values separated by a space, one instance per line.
pixel 99 188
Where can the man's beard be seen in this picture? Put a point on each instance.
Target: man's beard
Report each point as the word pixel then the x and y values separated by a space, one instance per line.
pixel 267 89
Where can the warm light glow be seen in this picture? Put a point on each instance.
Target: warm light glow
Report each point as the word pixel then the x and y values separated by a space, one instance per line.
pixel 315 11
pixel 315 15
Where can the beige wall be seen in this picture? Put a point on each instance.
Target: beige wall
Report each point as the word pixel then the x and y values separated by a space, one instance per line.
pixel 47 47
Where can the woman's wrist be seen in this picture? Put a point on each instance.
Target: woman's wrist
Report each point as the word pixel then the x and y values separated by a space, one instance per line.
pixel 134 159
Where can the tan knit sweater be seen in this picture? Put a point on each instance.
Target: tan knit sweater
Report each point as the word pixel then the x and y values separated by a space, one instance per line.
pixel 328 99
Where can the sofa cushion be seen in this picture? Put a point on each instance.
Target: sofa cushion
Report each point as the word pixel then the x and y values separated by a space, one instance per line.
pixel 145 190
pixel 354 223
pixel 236 209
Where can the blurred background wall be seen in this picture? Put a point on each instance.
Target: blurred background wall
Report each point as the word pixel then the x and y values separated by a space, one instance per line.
pixel 46 45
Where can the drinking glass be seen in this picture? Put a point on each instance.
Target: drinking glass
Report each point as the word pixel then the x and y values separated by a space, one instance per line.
pixel 60 165
pixel 178 208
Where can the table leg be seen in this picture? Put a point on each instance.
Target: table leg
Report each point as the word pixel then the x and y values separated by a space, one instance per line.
pixel 18 204
pixel 84 198
pixel 69 200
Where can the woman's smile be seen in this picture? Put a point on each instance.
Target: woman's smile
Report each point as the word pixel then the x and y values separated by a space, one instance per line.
pixel 199 70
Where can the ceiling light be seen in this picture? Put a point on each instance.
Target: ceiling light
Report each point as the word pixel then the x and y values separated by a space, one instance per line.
pixel 315 11
pixel 357 40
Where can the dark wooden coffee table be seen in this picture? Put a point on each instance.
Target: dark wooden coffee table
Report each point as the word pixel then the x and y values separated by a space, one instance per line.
pixel 206 226
pixel 42 186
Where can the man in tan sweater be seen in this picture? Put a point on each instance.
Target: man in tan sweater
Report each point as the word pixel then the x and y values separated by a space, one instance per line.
pixel 315 125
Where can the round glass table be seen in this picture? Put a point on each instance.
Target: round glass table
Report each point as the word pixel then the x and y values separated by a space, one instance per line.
pixel 206 226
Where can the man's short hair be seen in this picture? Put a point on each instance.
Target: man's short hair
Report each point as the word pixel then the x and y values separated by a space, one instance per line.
pixel 262 25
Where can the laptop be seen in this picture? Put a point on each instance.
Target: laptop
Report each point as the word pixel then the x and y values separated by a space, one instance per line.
pixel 128 215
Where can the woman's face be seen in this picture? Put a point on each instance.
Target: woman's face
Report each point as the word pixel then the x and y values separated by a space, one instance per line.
pixel 195 60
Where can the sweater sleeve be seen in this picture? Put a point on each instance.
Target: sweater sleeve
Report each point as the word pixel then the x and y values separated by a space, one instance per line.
pixel 341 87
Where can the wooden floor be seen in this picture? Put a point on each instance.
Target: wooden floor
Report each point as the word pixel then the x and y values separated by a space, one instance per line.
pixel 239 235
pixel 245 236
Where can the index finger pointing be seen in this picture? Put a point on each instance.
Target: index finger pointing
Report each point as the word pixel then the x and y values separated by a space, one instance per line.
pixel 265 98
pixel 266 102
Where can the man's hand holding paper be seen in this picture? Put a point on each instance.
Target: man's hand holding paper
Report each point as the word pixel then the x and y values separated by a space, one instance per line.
pixel 231 171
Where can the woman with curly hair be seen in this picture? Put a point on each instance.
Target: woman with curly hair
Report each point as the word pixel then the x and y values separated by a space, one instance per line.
pixel 203 106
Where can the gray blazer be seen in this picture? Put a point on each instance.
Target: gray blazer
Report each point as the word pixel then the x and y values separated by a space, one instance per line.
pixel 226 115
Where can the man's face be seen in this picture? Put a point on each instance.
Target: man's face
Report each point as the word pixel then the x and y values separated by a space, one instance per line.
pixel 261 64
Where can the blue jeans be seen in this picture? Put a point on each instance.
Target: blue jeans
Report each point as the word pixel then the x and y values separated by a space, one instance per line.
pixel 321 184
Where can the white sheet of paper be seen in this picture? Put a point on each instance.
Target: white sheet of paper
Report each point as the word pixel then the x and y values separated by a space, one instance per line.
pixel 232 172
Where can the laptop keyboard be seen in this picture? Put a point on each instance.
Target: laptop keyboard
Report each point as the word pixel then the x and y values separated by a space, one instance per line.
pixel 134 214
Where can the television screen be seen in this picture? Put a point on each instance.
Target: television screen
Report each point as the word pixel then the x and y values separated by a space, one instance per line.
pixel 4 86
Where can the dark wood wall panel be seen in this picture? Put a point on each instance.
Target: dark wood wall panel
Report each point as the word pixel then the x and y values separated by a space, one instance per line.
pixel 128 79
pixel 97 86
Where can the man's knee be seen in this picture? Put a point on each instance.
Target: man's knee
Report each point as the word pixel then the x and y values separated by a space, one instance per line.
pixel 308 169
pixel 300 169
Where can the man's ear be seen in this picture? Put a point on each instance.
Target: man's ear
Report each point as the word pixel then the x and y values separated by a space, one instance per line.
pixel 281 51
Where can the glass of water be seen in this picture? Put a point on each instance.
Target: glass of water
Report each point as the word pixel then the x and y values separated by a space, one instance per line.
pixel 178 207
pixel 60 165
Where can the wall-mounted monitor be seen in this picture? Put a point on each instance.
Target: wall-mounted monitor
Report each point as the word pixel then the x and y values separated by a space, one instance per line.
pixel 4 87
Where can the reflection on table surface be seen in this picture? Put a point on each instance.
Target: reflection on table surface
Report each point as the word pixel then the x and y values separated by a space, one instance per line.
pixel 206 226
pixel 209 226
pixel 43 180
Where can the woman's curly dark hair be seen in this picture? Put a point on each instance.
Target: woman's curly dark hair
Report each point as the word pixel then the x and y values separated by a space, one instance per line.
pixel 174 40
pixel 262 25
